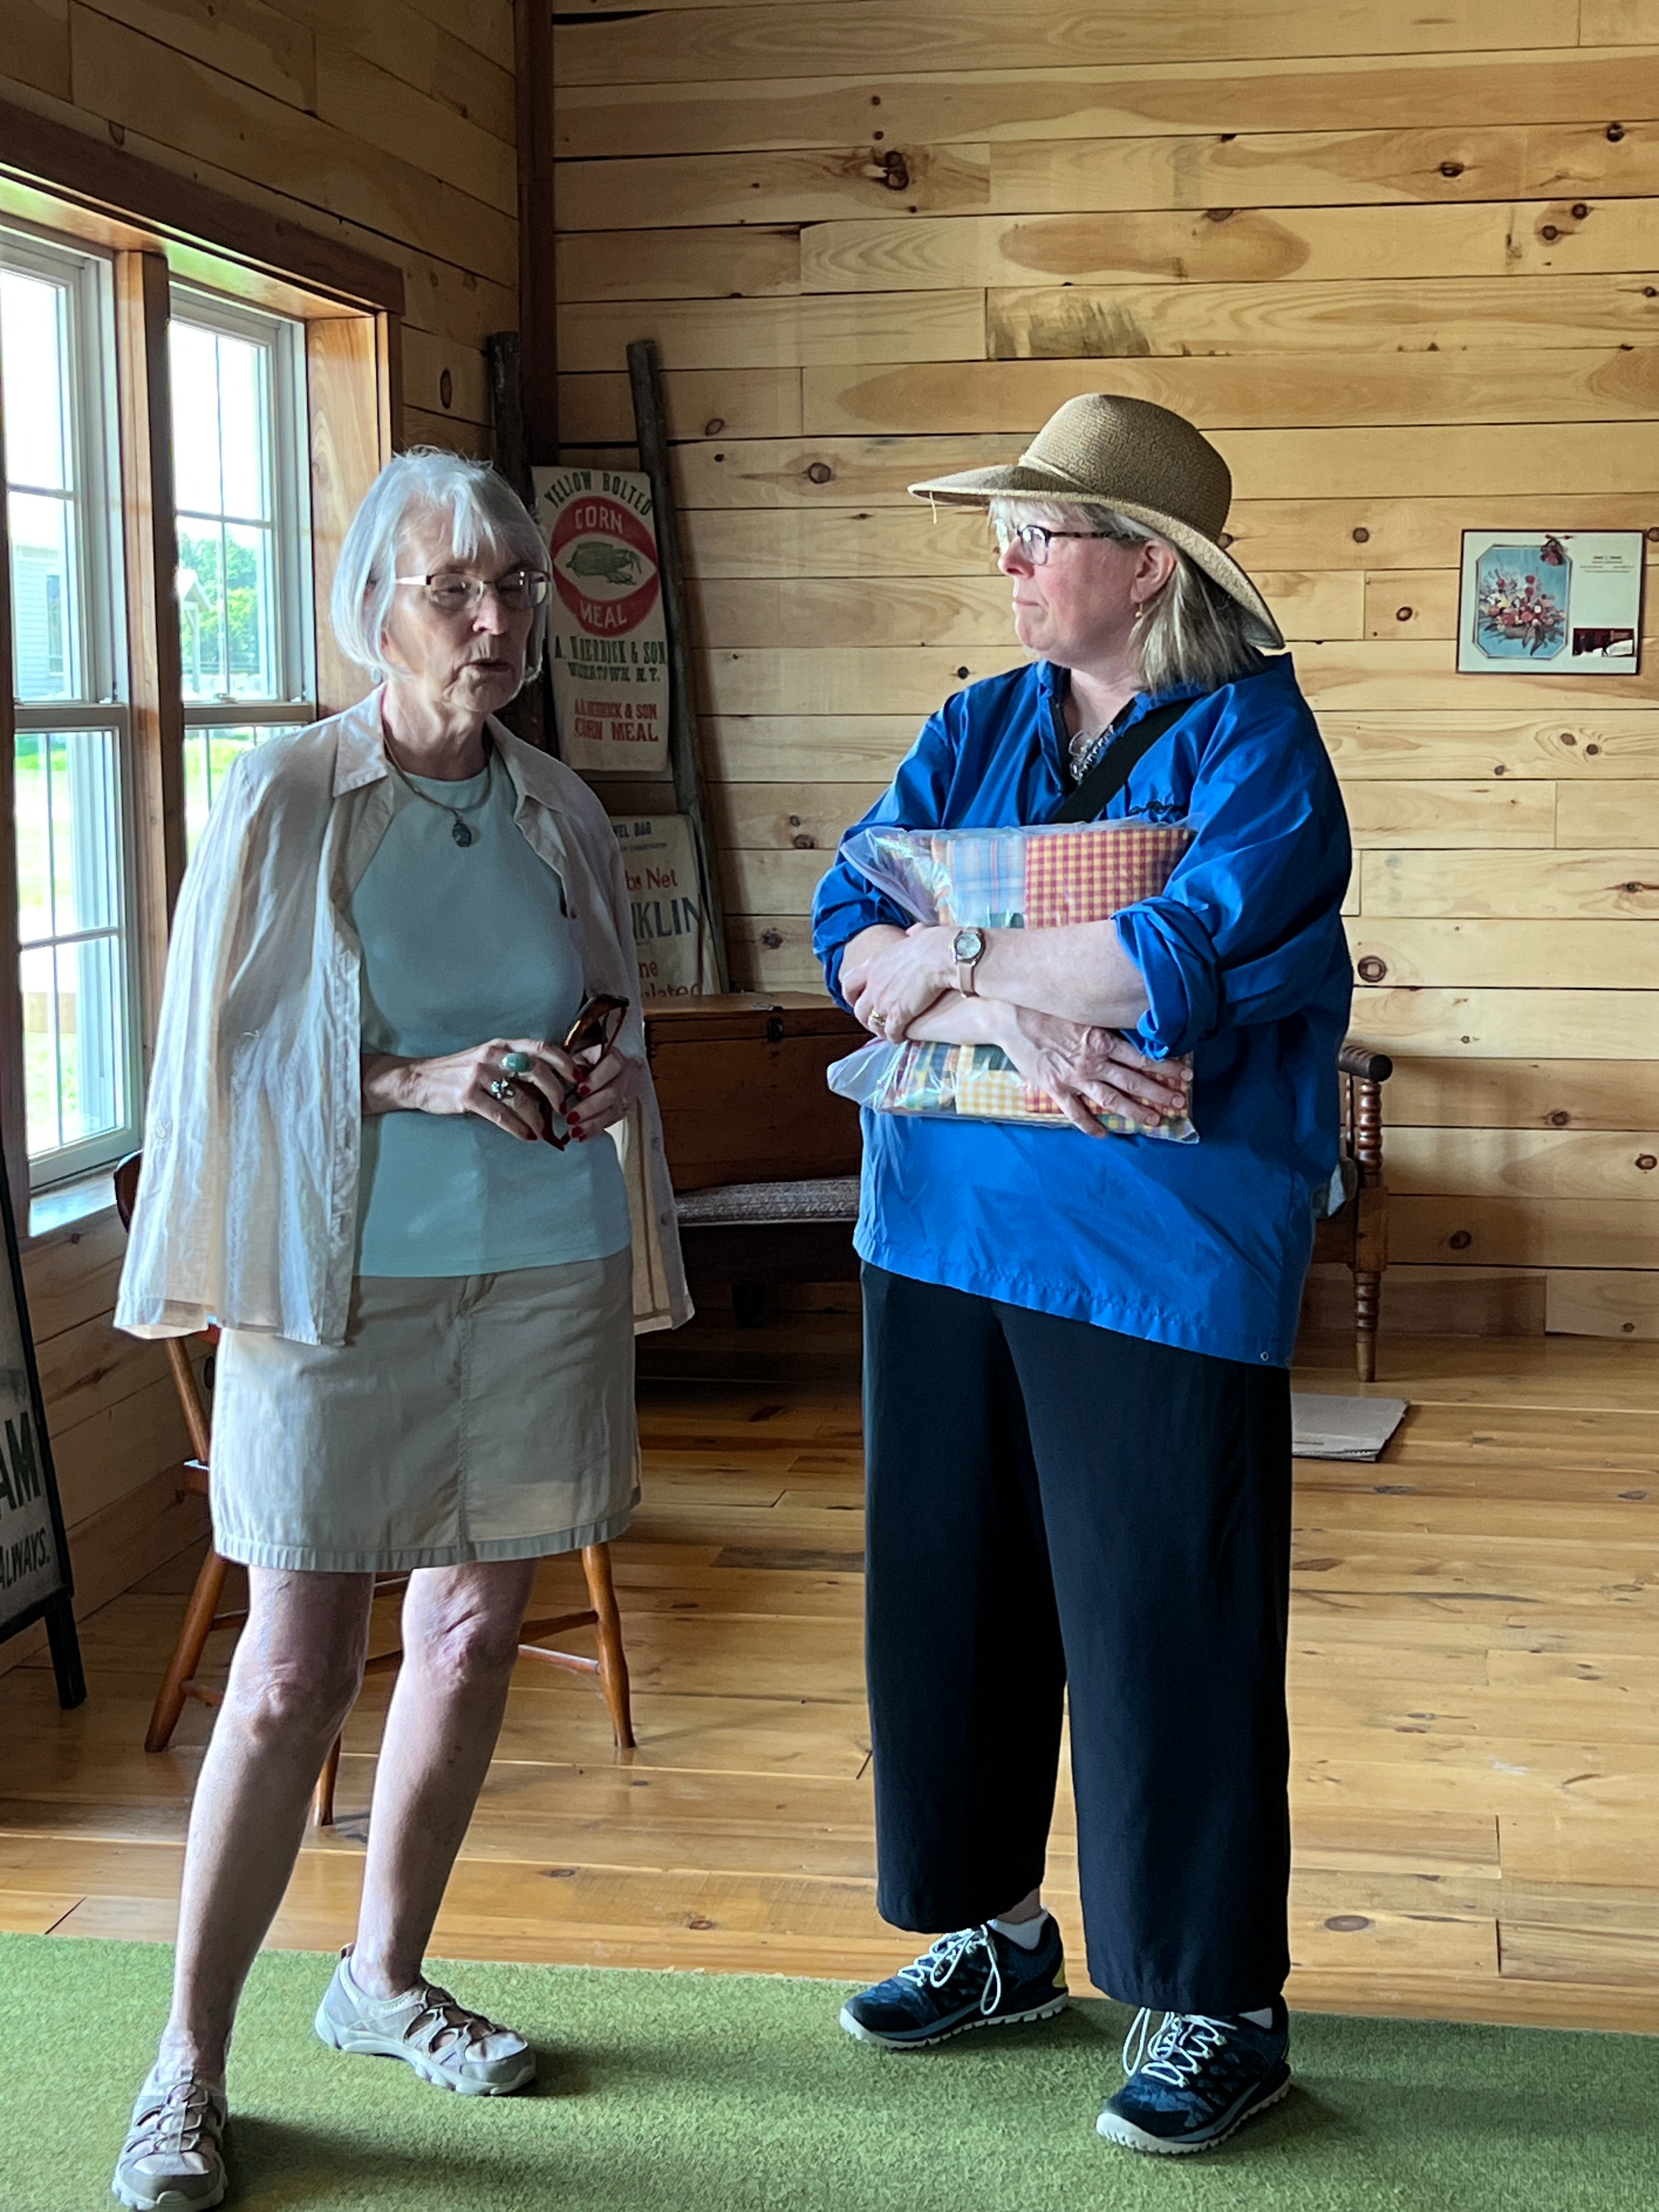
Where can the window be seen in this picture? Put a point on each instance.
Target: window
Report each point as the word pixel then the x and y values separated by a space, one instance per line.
pixel 239 464
pixel 185 435
pixel 73 725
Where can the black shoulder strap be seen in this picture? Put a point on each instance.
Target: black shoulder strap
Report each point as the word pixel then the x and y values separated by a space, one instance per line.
pixel 1104 781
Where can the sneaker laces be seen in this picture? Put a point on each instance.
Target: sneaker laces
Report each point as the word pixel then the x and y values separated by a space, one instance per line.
pixel 937 1965
pixel 1177 2051
pixel 173 2118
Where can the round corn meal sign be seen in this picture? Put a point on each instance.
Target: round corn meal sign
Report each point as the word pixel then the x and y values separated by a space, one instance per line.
pixel 604 565
pixel 607 642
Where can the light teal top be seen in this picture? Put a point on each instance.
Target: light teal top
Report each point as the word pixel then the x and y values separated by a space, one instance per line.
pixel 461 943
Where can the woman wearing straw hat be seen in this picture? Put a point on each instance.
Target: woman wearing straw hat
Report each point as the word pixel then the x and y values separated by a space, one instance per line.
pixel 1079 1432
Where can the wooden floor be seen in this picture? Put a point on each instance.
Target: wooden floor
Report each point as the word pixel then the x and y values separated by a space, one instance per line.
pixel 1474 1680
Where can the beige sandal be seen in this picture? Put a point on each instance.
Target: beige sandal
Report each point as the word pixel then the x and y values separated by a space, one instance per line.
pixel 446 2044
pixel 174 2158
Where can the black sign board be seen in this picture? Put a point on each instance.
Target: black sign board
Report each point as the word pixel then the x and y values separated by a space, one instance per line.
pixel 35 1583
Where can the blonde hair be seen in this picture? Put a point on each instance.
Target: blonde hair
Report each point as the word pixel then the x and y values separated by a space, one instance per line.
pixel 1191 631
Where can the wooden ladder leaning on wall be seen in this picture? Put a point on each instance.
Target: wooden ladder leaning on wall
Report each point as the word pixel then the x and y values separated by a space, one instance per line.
pixel 201 1615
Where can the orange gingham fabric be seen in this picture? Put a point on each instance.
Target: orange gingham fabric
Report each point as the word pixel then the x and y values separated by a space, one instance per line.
pixel 1091 874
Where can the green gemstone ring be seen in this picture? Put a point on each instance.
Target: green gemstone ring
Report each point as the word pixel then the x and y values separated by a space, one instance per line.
pixel 517 1063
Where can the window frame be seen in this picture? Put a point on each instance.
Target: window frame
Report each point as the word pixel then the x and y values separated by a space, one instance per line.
pixel 294 695
pixel 293 699
pixel 96 461
pixel 102 700
pixel 156 228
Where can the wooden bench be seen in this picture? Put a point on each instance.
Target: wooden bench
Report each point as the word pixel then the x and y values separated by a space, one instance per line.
pixel 763 1155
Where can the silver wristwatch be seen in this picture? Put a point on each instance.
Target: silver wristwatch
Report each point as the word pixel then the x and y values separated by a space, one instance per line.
pixel 967 950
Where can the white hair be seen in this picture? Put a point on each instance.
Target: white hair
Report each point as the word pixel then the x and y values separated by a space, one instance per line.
pixel 485 515
pixel 1191 632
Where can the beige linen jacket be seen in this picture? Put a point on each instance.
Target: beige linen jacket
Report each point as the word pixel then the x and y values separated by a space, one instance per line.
pixel 247 1211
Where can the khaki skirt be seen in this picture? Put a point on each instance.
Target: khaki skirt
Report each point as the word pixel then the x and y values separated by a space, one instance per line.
pixel 465 1417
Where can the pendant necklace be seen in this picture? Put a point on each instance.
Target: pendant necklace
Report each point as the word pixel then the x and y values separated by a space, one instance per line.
pixel 458 829
pixel 1086 747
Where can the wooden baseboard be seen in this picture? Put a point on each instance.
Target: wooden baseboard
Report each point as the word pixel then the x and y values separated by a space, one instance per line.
pixel 1426 1301
pixel 1593 1301
pixel 112 1550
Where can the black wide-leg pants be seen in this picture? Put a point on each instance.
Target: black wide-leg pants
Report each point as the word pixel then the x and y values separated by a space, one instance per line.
pixel 1057 1509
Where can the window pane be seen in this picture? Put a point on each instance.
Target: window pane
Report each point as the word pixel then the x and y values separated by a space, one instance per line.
pixel 34 341
pixel 74 968
pixel 226 611
pixel 244 429
pixel 223 431
pixel 194 362
pixel 201 589
pixel 45 627
pixel 209 752
pixel 33 839
pixel 42 1074
pixel 33 346
pixel 249 615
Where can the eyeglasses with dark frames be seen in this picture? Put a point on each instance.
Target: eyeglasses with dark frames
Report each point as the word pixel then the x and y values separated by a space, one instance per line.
pixel 1034 539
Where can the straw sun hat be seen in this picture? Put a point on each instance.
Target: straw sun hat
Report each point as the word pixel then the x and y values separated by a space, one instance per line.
pixel 1142 461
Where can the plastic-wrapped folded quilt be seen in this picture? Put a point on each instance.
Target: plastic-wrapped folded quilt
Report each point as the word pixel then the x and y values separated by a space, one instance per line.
pixel 1042 878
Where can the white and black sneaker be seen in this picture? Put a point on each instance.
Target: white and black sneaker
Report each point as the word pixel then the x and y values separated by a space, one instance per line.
pixel 1196 2080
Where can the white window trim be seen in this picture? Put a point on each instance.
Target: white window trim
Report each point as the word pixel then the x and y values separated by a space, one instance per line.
pixel 104 702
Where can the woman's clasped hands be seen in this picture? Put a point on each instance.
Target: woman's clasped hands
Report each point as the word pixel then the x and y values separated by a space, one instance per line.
pixel 900 984
pixel 1089 1071
pixel 524 1086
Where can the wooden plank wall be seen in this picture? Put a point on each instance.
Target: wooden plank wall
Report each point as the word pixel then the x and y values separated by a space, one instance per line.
pixel 1400 263
pixel 389 124
pixel 386 124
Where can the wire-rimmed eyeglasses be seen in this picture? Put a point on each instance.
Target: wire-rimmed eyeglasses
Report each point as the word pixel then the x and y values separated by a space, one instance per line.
pixel 1034 539
pixel 520 591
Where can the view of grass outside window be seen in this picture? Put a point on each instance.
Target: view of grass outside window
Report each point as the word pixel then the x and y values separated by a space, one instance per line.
pixel 72 734
pixel 239 484
pixel 209 752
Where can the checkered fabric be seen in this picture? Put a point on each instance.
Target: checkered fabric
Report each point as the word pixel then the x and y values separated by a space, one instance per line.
pixel 982 878
pixel 1033 878
pixel 1041 878
pixel 1089 872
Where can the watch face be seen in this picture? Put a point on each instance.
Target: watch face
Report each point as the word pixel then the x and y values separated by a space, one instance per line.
pixel 968 943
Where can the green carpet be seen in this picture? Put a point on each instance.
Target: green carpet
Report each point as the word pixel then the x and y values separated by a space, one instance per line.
pixel 706 2094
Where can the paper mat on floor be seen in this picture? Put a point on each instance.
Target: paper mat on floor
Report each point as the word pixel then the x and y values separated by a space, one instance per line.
pixel 1342 1428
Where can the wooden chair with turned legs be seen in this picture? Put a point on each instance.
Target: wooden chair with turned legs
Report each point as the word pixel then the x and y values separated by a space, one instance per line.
pixel 1356 1230
pixel 180 1682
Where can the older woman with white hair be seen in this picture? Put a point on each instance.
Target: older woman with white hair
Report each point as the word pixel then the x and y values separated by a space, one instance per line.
pixel 428 1219
pixel 1078 1430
